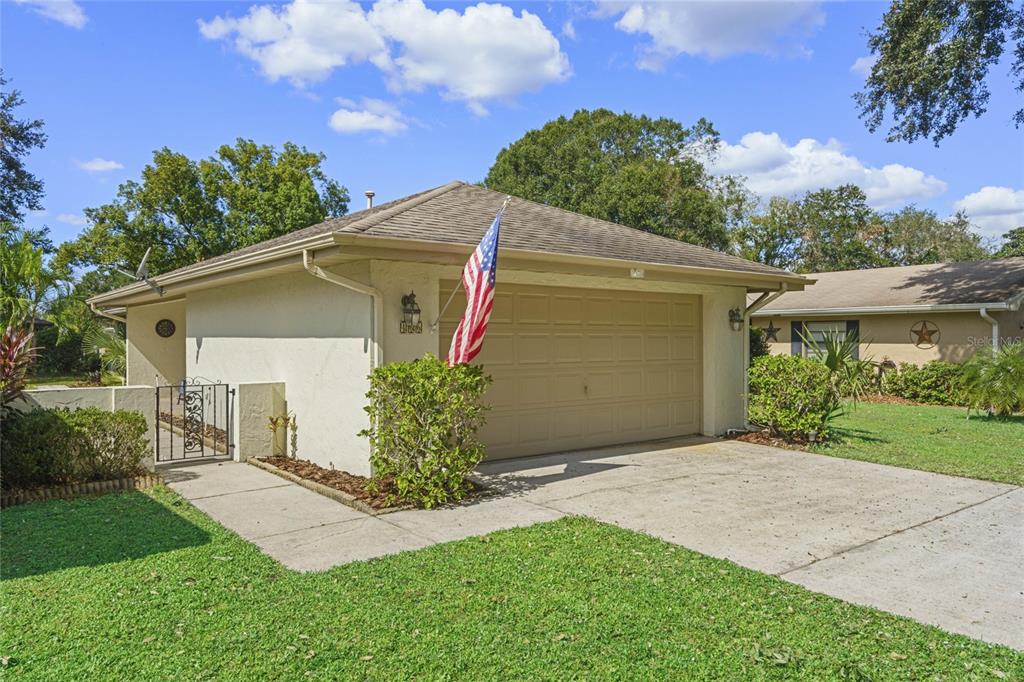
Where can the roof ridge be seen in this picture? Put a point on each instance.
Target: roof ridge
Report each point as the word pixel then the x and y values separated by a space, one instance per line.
pixel 621 226
pixel 364 224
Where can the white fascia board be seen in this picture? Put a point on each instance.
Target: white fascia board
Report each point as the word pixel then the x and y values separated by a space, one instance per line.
pixel 882 310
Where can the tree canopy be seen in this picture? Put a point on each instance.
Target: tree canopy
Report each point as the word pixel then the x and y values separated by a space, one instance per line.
pixel 20 190
pixel 188 211
pixel 634 170
pixel 933 61
pixel 834 229
pixel 1013 244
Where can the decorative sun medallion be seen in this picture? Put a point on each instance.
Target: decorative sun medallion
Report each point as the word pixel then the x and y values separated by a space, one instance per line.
pixel 925 334
pixel 771 332
pixel 165 328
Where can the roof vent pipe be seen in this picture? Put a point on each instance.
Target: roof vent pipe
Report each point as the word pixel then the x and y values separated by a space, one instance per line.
pixel 369 198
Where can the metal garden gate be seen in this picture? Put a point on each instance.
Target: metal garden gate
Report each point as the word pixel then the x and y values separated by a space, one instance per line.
pixel 194 420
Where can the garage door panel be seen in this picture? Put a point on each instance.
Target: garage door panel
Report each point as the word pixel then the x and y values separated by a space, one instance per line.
pixel 533 308
pixel 533 349
pixel 569 348
pixel 629 347
pixel 567 310
pixel 502 312
pixel 580 368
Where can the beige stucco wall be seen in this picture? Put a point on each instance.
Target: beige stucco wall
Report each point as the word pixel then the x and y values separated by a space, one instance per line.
pixel 888 336
pixel 296 329
pixel 151 359
pixel 254 402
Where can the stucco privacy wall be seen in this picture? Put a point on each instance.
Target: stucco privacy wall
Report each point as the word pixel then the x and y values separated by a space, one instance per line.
pixel 722 347
pixel 311 335
pixel 153 360
pixel 108 398
pixel 961 333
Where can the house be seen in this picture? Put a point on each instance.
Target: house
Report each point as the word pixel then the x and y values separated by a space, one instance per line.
pixel 600 333
pixel 905 314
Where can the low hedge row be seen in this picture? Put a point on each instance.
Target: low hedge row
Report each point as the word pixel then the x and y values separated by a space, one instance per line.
pixel 934 383
pixel 62 447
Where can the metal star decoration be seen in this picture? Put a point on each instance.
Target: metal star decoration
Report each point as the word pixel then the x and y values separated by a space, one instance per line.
pixel 924 334
pixel 771 332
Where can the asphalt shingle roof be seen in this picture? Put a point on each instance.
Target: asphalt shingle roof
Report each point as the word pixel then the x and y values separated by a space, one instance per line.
pixel 460 213
pixel 989 281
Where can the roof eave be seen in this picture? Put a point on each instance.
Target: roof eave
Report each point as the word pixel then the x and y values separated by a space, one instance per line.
pixel 884 310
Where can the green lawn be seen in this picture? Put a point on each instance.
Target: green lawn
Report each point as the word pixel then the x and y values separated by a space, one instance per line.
pixel 143 586
pixel 939 439
pixel 44 381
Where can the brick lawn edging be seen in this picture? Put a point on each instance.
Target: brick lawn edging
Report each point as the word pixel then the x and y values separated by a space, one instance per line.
pixel 65 492
pixel 326 491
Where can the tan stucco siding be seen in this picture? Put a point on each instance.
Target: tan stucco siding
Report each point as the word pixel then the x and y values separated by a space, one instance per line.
pixel 300 330
pixel 888 337
pixel 151 359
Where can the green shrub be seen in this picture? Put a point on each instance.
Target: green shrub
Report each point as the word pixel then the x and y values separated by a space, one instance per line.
pixel 935 383
pixel 424 416
pixel 792 397
pixel 994 380
pixel 60 447
pixel 758 343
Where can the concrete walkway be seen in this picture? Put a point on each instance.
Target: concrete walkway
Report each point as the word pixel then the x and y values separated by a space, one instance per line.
pixel 944 550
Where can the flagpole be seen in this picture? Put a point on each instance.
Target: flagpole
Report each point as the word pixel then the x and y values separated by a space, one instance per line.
pixel 433 325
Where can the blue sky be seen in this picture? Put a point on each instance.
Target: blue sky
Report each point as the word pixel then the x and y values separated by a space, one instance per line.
pixel 402 96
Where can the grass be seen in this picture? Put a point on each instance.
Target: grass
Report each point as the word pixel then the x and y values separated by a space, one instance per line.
pixel 939 439
pixel 43 381
pixel 143 586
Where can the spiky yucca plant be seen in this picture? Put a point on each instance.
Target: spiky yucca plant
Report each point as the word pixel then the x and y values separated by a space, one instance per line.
pixel 851 377
pixel 995 379
pixel 16 356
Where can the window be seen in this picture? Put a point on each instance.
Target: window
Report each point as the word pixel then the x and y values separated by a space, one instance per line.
pixel 816 332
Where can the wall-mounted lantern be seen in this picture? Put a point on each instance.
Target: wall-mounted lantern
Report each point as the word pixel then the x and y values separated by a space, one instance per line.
pixel 736 319
pixel 411 322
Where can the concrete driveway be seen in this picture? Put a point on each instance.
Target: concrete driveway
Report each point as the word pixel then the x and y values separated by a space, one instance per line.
pixel 944 550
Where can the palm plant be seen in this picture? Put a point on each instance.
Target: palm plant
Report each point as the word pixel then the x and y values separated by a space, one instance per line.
pixel 106 343
pixel 995 379
pixel 851 376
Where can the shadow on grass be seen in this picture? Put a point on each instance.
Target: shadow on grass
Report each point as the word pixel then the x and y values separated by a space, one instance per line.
pixel 849 436
pixel 90 531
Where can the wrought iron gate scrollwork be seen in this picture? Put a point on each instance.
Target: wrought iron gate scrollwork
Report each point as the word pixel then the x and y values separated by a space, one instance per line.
pixel 194 420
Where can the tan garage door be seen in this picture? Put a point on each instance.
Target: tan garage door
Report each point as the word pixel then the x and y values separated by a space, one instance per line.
pixel 577 368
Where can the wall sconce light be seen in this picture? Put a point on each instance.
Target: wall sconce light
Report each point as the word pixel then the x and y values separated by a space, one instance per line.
pixel 411 322
pixel 736 319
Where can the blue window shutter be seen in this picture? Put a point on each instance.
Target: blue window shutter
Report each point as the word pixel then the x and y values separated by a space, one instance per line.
pixel 795 345
pixel 853 327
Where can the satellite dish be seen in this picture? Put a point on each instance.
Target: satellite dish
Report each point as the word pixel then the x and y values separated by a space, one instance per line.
pixel 142 273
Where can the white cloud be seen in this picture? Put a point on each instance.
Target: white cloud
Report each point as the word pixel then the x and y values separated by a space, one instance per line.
pixel 995 210
pixel 863 65
pixel 372 115
pixel 569 30
pixel 67 12
pixel 98 165
pixel 483 53
pixel 715 29
pixel 774 168
pixel 72 219
pixel 303 41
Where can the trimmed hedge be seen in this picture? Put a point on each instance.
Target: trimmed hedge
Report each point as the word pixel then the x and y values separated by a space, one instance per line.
pixel 935 383
pixel 61 447
pixel 792 397
pixel 424 416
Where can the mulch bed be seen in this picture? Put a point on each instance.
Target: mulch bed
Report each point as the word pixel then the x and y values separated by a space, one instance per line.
pixel 888 399
pixel 765 438
pixel 333 478
pixel 142 480
pixel 209 431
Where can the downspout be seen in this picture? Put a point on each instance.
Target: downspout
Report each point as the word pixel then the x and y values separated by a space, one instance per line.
pixel 762 300
pixel 374 294
pixel 995 328
pixel 98 311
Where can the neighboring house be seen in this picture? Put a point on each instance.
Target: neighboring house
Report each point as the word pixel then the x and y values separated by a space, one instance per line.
pixel 600 333
pixel 905 314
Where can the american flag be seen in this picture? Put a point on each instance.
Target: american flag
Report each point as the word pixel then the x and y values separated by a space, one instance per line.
pixel 478 281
